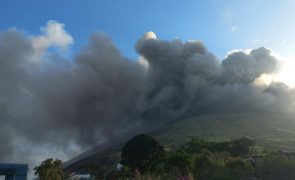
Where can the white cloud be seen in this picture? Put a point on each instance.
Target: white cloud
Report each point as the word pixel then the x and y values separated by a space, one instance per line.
pixel 264 80
pixel 246 51
pixel 150 35
pixel 53 35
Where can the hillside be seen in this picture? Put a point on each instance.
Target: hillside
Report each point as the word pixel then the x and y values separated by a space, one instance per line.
pixel 272 132
pixel 268 131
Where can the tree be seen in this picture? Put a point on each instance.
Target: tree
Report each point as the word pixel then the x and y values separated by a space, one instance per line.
pixel 196 145
pixel 140 151
pixel 178 164
pixel 50 170
pixel 240 147
pixel 174 165
pixel 276 166
pixel 204 166
pixel 238 168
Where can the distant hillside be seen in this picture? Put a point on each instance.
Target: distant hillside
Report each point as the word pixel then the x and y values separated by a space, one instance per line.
pixel 269 132
pixel 272 132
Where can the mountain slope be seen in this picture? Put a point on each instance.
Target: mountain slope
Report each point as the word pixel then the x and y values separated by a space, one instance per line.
pixel 275 132
pixel 272 132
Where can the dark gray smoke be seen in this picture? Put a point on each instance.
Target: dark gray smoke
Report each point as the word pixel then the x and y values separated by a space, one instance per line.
pixel 52 106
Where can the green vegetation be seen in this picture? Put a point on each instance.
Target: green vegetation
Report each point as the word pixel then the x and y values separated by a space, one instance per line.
pixel 276 166
pixel 202 160
pixel 143 158
pixel 276 132
pixel 140 151
pixel 50 170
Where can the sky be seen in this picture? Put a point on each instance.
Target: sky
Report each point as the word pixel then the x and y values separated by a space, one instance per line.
pixel 221 25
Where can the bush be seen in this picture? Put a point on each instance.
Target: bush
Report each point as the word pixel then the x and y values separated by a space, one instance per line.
pixel 241 147
pixel 276 166
pixel 238 168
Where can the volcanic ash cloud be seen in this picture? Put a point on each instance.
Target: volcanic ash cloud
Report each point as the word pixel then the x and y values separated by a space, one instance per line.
pixel 52 105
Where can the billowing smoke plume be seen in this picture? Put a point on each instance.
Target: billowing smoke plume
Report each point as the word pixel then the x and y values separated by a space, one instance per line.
pixel 51 105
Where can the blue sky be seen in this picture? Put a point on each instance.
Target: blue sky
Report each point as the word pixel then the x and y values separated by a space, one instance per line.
pixel 221 25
